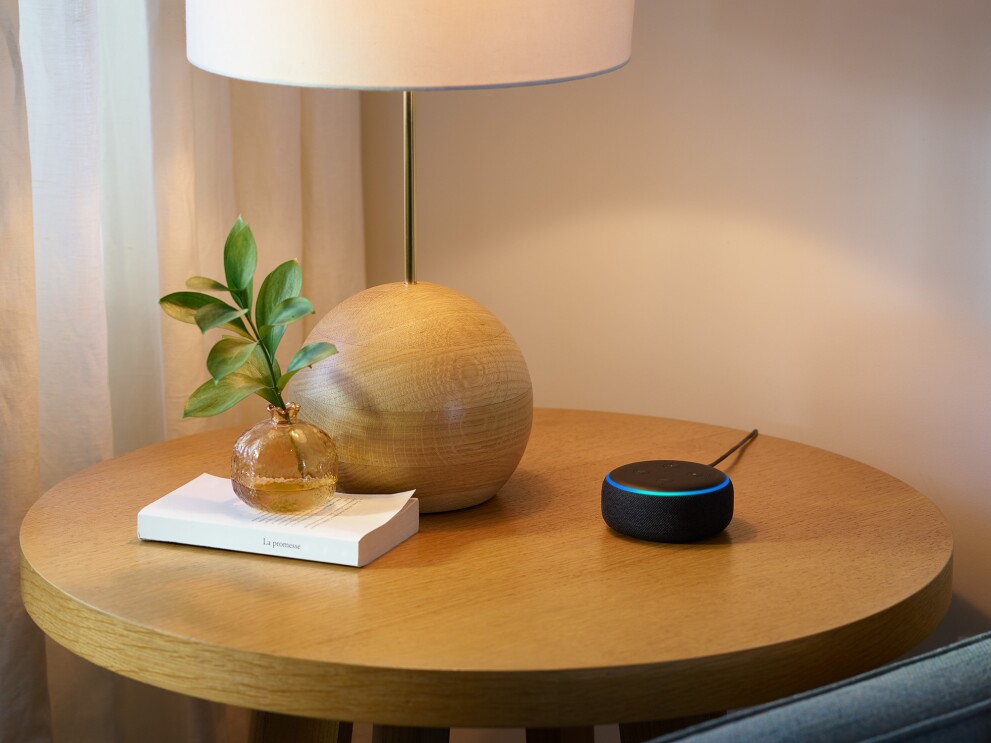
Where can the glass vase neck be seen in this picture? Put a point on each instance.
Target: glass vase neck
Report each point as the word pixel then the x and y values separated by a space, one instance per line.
pixel 284 416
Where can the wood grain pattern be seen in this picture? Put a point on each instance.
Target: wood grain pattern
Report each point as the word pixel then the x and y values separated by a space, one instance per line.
pixel 526 611
pixel 428 390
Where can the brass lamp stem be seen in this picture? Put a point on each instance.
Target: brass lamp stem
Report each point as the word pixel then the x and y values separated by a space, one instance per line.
pixel 409 188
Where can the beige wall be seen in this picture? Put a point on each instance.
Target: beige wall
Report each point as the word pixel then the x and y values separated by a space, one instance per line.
pixel 777 215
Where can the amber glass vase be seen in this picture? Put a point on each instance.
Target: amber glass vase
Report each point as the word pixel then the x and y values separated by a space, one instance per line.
pixel 284 465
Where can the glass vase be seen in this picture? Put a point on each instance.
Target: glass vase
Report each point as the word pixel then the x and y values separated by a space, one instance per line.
pixel 283 465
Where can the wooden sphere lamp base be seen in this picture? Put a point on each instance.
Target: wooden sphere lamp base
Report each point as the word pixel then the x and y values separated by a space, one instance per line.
pixel 428 390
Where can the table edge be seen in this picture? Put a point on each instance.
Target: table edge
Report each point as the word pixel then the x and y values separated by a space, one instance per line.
pixel 452 698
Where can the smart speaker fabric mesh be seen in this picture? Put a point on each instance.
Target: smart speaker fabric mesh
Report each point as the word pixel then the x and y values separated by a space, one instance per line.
pixel 667 518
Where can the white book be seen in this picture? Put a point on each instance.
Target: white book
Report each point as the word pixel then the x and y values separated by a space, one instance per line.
pixel 348 530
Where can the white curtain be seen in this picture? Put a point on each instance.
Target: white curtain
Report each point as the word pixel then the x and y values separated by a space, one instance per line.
pixel 122 169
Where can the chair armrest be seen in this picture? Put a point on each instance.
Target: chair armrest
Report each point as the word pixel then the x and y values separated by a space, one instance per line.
pixel 944 695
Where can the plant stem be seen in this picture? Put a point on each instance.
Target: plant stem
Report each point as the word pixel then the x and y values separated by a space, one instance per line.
pixel 300 463
pixel 269 359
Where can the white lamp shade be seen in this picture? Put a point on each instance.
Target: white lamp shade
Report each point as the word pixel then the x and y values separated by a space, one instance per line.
pixel 408 44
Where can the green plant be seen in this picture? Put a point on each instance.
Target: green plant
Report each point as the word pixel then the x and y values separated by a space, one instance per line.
pixel 244 364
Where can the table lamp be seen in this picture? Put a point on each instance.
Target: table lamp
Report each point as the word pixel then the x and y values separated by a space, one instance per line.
pixel 428 389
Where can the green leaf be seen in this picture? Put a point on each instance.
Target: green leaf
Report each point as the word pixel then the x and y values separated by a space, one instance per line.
pixel 311 354
pixel 205 284
pixel 257 366
pixel 212 398
pixel 183 306
pixel 240 256
pixel 283 283
pixel 228 355
pixel 268 394
pixel 306 356
pixel 290 310
pixel 242 297
pixel 214 315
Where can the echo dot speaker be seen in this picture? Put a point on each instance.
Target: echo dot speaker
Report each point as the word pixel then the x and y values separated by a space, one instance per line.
pixel 667 500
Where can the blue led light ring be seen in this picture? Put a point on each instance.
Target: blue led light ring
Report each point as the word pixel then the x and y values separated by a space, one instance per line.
pixel 628 489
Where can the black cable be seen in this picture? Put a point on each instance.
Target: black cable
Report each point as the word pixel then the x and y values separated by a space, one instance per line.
pixel 743 442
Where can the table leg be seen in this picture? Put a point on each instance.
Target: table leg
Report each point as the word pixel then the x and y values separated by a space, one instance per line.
pixel 581 734
pixel 401 734
pixel 271 727
pixel 637 732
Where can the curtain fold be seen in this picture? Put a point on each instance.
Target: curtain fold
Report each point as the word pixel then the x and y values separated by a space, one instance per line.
pixel 59 47
pixel 22 651
pixel 123 169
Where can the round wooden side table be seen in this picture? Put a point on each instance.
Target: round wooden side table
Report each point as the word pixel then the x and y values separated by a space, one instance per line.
pixel 525 611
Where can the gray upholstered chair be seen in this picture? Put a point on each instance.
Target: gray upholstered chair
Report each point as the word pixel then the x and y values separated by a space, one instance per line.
pixel 944 695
